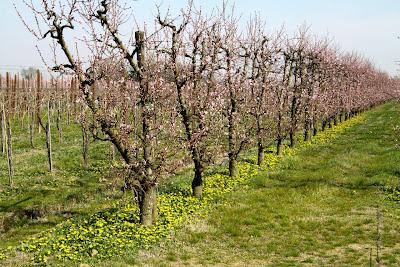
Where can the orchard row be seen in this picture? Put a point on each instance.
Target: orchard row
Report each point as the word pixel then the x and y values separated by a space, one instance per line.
pixel 193 90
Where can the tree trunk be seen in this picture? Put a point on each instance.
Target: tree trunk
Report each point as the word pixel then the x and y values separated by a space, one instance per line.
pixel 197 182
pixel 292 139
pixel 233 170
pixel 147 198
pixel 260 153
pixel 232 156
pixel 307 128
pixel 323 125
pixel 233 148
pixel 306 135
pixel 315 131
pixel 279 146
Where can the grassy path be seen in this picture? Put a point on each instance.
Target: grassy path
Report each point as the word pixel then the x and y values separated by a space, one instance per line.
pixel 318 208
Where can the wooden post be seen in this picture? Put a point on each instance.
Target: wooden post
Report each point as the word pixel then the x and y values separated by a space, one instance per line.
pixel 38 99
pixel 3 131
pixel 378 236
pixel 9 147
pixel 48 137
pixel 59 128
pixel 31 117
pixel 85 145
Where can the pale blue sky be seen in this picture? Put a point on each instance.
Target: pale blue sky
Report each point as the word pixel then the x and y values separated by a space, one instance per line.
pixel 369 27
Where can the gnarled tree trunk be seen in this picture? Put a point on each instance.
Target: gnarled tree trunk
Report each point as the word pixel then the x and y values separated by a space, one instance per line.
pixel 147 198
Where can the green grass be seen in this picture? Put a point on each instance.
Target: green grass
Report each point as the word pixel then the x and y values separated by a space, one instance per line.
pixel 318 208
pixel 40 199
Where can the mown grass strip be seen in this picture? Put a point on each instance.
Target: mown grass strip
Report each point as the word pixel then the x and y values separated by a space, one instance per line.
pixel 318 207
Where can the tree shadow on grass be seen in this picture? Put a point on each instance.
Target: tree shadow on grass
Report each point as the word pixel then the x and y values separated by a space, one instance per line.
pixel 14 206
pixel 281 180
